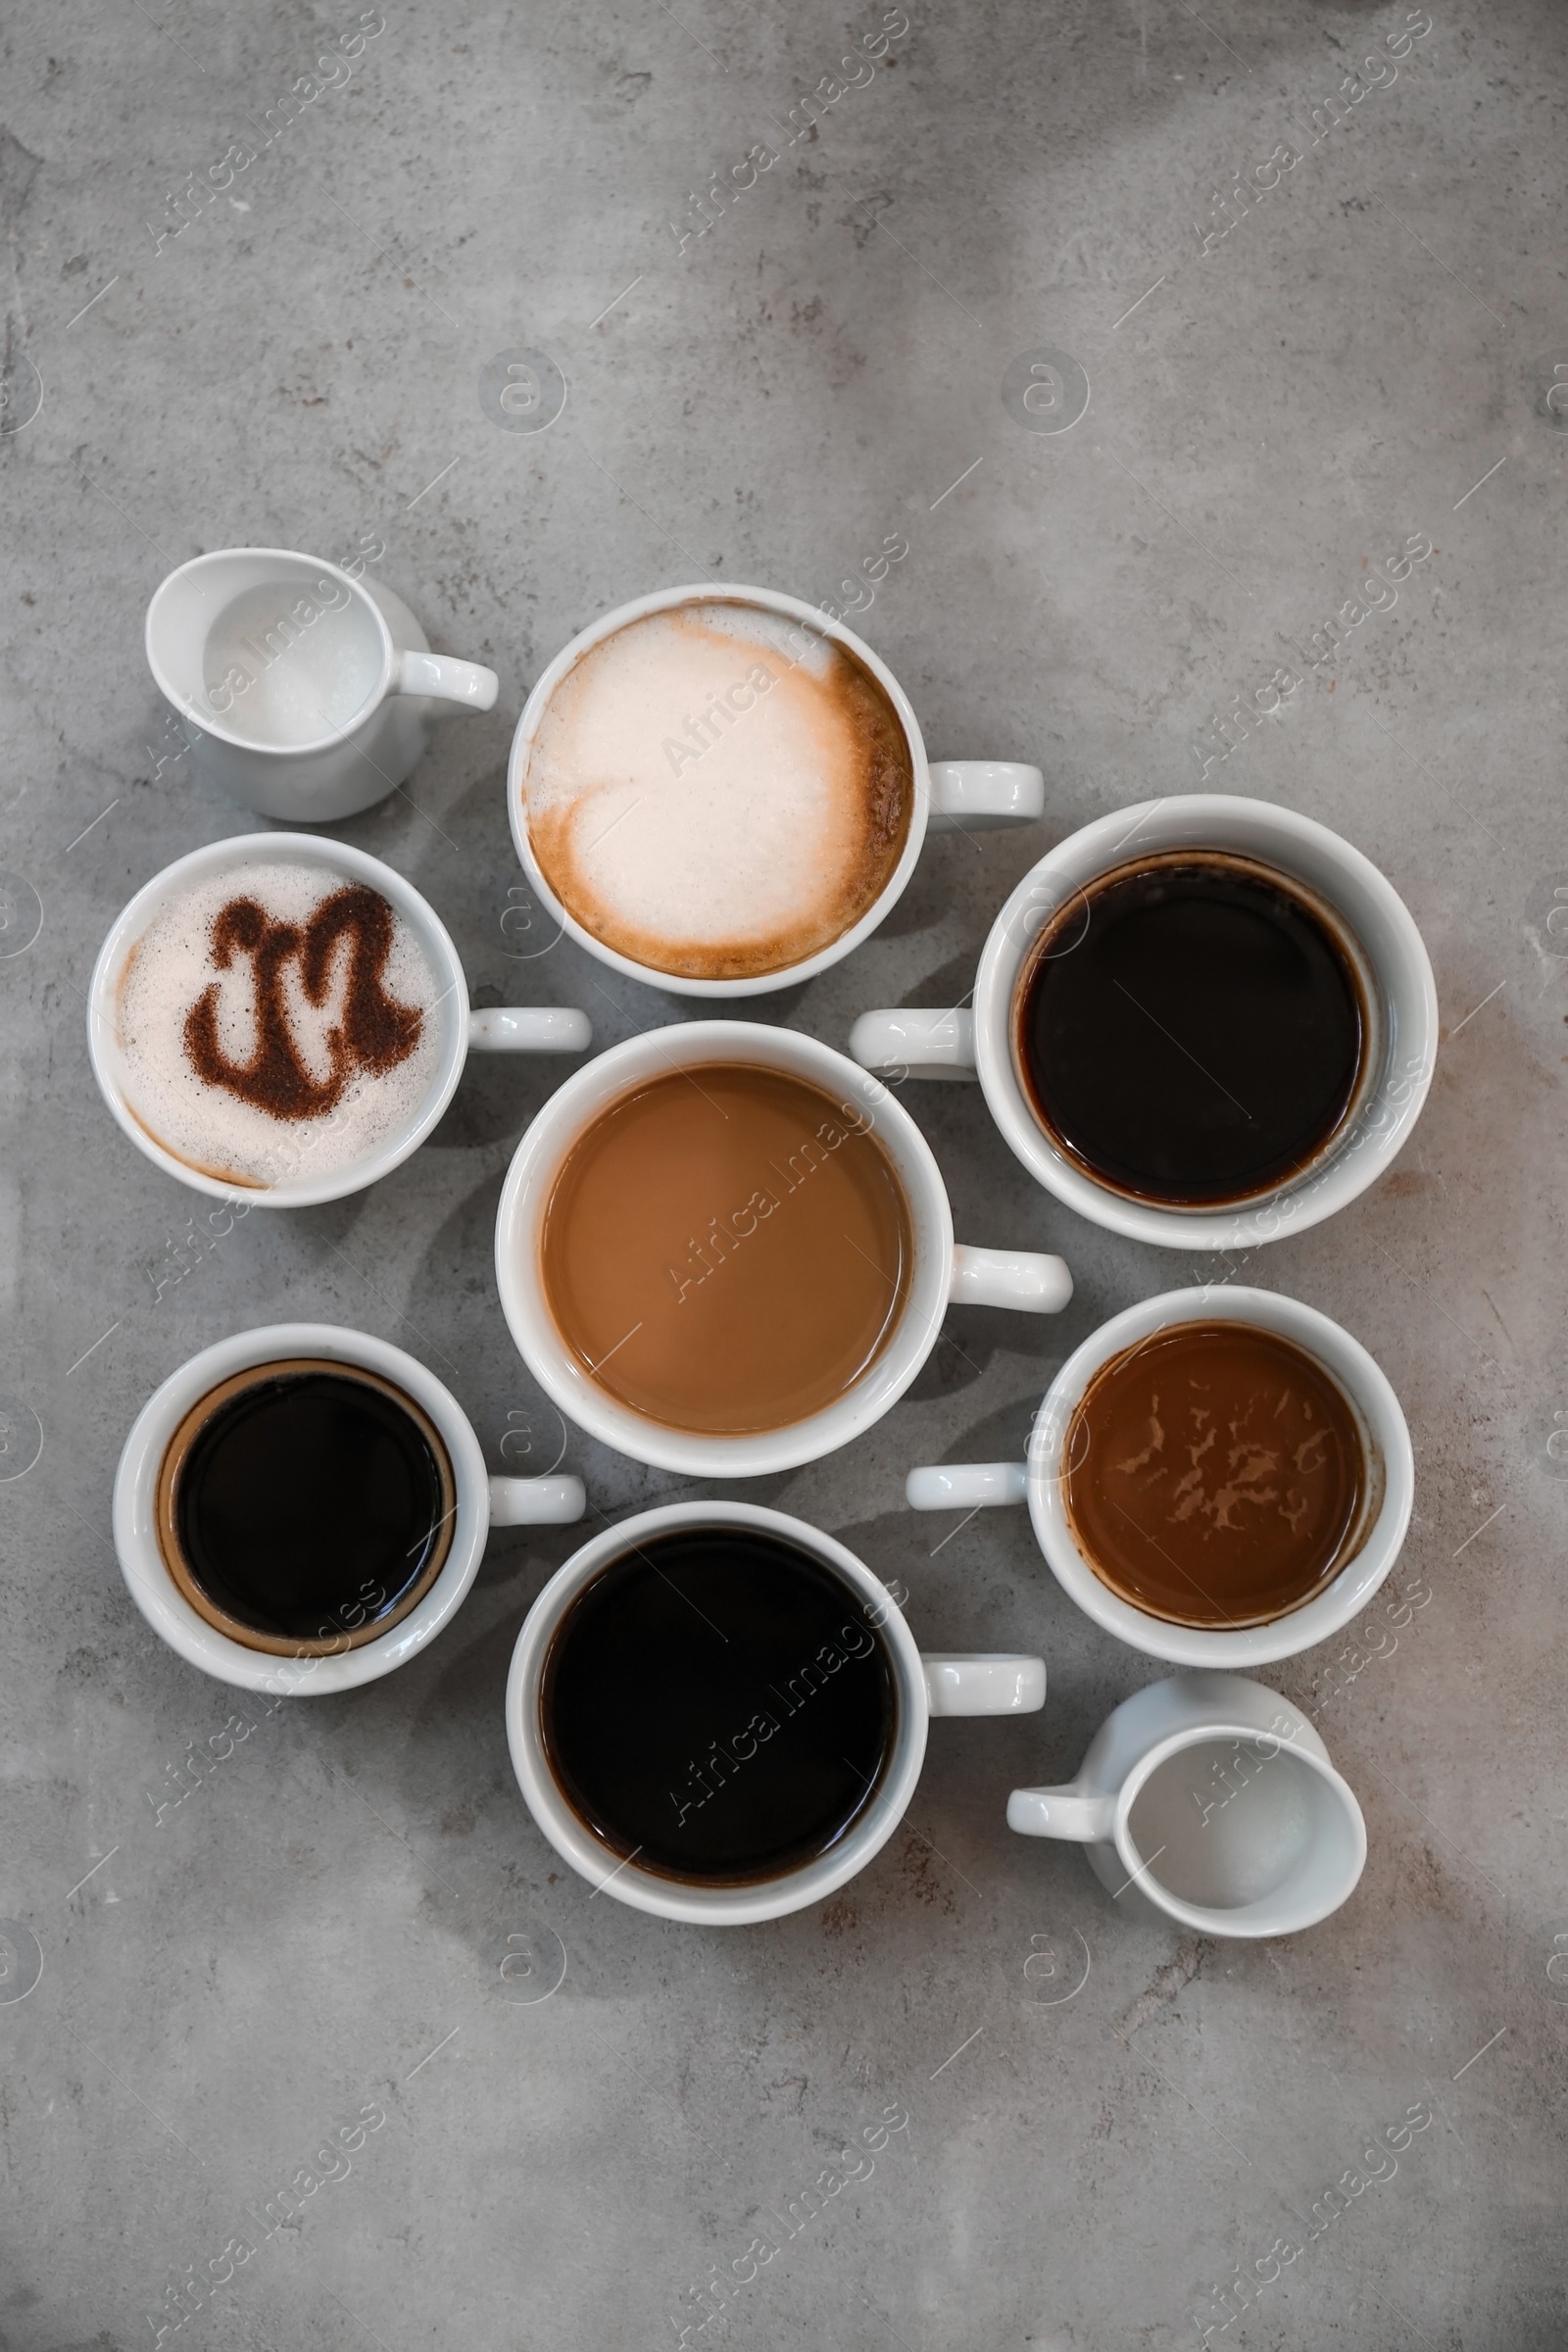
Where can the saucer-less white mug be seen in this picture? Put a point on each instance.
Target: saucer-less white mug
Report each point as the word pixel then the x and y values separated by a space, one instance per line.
pixel 1208 1800
pixel 950 795
pixel 943 1271
pixel 482 1503
pixel 959 1044
pixel 1386 1514
pixel 497 1029
pixel 934 1685
pixel 308 779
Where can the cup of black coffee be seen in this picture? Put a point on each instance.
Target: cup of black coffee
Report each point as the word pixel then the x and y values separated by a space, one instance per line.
pixel 303 1509
pixel 718 1714
pixel 1203 1023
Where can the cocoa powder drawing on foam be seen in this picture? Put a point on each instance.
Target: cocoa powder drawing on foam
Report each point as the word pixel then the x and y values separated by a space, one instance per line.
pixel 374 1032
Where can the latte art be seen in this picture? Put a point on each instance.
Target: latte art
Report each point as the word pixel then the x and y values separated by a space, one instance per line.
pixel 276 1015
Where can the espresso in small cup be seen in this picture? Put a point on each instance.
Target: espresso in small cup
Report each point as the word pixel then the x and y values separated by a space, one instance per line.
pixel 726 1248
pixel 272 1006
pixel 304 1506
pixel 717 792
pixel 1215 1475
pixel 716 1704
pixel 1192 1029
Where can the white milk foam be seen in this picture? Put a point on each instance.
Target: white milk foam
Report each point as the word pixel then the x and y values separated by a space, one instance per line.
pixel 211 1129
pixel 284 665
pixel 718 790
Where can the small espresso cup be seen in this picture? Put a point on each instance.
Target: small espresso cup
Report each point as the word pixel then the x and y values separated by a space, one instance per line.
pixel 303 693
pixel 1377 933
pixel 1373 1545
pixel 942 1272
pixel 288 1180
pixel 340 1656
pixel 924 1686
pixel 948 795
pixel 1208 1800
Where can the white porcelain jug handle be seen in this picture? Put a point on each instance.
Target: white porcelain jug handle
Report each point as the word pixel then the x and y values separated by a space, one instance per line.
pixel 529 1029
pixel 977 796
pixel 916 1044
pixel 966 1486
pixel 537 1502
pixel 1062 1813
pixel 446 679
pixel 1027 1279
pixel 983 1685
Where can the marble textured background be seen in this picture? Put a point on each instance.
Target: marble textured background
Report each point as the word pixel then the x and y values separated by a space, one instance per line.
pixel 1367 354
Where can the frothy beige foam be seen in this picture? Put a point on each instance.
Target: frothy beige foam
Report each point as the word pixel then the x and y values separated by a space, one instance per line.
pixel 276 1081
pixel 719 792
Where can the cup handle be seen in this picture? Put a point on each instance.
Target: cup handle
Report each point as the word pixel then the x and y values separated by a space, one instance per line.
pixel 445 679
pixel 984 1684
pixel 558 1501
pixel 1070 1812
pixel 966 1486
pixel 1025 1279
pixel 918 1045
pixel 979 795
pixel 529 1029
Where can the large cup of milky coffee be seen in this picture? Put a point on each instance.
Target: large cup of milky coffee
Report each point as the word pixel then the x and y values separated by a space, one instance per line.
pixel 721 791
pixel 1206 1022
pixel 724 1249
pixel 284 1019
pixel 1220 1476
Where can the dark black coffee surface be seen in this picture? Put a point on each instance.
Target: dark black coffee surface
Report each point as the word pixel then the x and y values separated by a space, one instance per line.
pixel 1195 1036
pixel 308 1504
pixel 716 1703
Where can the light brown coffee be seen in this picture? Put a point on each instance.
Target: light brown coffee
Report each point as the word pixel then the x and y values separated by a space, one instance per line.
pixel 726 1250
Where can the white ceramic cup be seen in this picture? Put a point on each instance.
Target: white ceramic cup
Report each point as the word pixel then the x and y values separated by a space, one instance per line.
pixel 1386 1516
pixel 497 1029
pixel 1208 1800
pixel 926 1686
pixel 345 767
pixel 950 795
pixel 944 1272
pixel 482 1503
pixel 1402 1048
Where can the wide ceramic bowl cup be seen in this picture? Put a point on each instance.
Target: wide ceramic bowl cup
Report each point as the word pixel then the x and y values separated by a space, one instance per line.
pixel 950 795
pixel 1403 1016
pixel 1375 1542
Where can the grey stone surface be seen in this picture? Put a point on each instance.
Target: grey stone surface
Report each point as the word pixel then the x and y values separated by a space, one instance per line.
pixel 317 1929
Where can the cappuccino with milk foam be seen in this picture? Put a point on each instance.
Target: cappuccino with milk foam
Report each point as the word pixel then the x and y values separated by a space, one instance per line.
pixel 719 792
pixel 275 1015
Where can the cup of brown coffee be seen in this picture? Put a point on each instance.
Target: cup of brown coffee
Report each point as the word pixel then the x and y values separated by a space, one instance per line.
pixel 716 1713
pixel 724 1249
pixel 721 791
pixel 300 1509
pixel 1220 1476
pixel 1206 1022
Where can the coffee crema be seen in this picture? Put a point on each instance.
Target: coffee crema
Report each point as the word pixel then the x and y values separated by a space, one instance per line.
pixel 1192 1029
pixel 719 792
pixel 275 1015
pixel 1215 1475
pixel 304 1506
pixel 726 1250
pixel 717 1707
